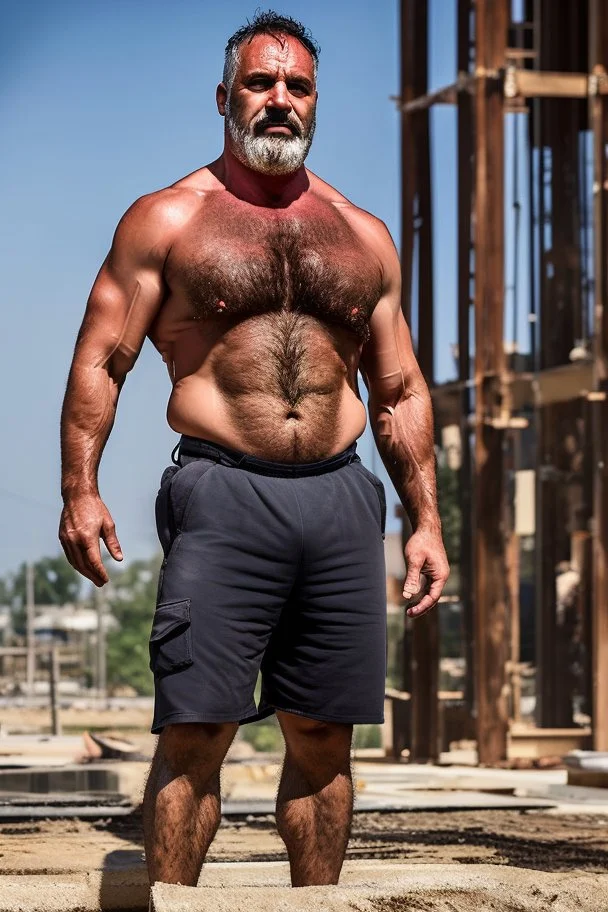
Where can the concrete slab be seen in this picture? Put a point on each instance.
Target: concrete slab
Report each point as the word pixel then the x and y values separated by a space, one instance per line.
pixel 95 892
pixel 571 799
pixel 364 887
pixel 381 886
pixel 116 777
pixel 409 801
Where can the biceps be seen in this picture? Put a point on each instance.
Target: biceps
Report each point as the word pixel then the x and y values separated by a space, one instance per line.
pixel 119 314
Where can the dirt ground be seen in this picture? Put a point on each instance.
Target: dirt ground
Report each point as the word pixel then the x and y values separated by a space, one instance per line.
pixel 530 839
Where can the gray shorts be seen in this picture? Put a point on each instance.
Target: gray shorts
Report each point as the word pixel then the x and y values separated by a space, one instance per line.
pixel 275 568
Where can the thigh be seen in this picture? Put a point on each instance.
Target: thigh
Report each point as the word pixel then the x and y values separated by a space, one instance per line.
pixel 218 602
pixel 327 657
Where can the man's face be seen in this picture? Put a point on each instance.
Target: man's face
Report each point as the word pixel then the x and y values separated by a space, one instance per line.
pixel 270 108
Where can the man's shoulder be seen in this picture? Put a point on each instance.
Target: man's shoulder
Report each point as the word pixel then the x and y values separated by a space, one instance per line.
pixel 155 219
pixel 165 207
pixel 358 217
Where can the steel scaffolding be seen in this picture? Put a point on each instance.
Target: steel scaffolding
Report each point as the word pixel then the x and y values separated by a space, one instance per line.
pixel 549 68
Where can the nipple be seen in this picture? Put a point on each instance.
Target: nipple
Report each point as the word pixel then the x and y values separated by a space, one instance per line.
pixel 221 306
pixel 354 311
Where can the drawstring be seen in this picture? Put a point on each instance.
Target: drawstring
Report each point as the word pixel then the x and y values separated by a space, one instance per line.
pixel 173 459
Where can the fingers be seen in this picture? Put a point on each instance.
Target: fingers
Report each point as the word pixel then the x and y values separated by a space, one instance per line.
pixel 412 581
pixel 87 560
pixel 108 533
pixel 84 555
pixel 428 601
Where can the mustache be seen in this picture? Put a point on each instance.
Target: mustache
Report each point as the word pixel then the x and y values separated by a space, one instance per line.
pixel 278 120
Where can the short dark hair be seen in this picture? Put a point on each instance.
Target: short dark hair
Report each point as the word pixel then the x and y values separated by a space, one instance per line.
pixel 268 23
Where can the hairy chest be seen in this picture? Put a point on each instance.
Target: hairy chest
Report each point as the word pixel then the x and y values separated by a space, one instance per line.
pixel 235 267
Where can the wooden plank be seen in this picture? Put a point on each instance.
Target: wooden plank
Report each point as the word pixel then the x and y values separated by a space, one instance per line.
pixel 446 95
pixel 491 642
pixel 537 84
pixel 563 383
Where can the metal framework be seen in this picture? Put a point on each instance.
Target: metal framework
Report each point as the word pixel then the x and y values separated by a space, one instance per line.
pixel 551 69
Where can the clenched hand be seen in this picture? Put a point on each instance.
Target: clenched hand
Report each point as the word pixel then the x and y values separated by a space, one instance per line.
pixel 84 520
pixel 427 571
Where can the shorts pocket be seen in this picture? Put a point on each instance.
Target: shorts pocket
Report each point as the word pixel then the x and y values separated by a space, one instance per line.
pixel 183 487
pixel 171 638
pixel 165 526
pixel 380 492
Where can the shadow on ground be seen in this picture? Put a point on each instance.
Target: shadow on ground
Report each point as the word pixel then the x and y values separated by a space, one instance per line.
pixel 526 839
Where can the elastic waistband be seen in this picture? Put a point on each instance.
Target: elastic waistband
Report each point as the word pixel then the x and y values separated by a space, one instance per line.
pixel 197 448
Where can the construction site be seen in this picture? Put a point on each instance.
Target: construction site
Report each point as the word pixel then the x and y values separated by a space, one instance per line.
pixel 490 792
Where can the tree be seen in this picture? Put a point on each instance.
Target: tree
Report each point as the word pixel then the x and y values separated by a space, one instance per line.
pixel 55 582
pixel 132 600
pixel 5 591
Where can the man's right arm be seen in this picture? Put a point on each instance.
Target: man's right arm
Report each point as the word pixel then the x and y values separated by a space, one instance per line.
pixel 122 305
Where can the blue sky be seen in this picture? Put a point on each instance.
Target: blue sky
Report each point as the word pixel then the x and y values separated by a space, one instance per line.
pixel 104 101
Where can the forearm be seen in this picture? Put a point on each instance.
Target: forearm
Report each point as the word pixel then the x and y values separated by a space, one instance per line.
pixel 88 414
pixel 405 440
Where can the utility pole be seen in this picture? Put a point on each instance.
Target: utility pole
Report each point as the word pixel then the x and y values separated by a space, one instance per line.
pixel 54 674
pixel 101 646
pixel 30 635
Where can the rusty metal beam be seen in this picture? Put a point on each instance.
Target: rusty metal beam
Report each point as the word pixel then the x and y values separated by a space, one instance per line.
pixel 416 135
pixel 556 423
pixel 490 584
pixel 598 53
pixel 516 82
pixel 465 198
pixel 408 92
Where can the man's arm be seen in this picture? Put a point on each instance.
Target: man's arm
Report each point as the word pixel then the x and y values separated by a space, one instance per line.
pixel 402 422
pixel 124 300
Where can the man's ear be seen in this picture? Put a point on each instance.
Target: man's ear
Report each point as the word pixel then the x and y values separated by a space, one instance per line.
pixel 221 96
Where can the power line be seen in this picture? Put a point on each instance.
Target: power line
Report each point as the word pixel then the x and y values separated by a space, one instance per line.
pixel 4 492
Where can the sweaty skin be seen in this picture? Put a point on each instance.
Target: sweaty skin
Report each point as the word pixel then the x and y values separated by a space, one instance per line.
pixel 265 296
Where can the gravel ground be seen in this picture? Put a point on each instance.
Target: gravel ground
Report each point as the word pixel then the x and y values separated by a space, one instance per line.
pixel 530 839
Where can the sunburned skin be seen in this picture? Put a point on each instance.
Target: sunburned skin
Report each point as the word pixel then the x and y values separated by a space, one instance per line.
pixel 123 349
pixel 264 328
pixel 266 292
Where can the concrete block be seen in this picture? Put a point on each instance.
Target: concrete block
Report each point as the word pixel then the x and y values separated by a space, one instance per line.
pixel 368 887
pixel 265 887
pixel 115 891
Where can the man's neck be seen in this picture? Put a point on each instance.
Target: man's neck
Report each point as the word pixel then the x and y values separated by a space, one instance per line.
pixel 272 190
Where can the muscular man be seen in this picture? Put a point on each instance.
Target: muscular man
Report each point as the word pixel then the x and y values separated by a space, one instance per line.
pixel 265 291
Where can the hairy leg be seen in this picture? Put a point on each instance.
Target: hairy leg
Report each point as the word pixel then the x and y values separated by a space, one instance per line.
pixel 182 810
pixel 315 798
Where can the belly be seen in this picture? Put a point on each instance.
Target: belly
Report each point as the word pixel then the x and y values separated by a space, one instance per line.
pixel 281 386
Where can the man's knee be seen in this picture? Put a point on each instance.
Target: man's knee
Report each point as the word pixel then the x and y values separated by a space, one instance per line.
pixel 189 747
pixel 324 746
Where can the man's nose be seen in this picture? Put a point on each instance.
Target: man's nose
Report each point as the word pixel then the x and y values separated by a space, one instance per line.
pixel 279 97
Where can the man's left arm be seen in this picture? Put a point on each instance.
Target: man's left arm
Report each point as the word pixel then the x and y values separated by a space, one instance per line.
pixel 401 416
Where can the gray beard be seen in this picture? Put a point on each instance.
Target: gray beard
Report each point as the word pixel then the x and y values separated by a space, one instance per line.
pixel 267 154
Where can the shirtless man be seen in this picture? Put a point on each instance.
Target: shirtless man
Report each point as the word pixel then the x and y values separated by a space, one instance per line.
pixel 265 291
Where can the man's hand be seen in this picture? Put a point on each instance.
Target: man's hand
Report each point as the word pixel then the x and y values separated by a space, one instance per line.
pixel 84 520
pixel 424 553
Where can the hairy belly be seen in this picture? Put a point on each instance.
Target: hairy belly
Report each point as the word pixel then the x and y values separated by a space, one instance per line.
pixel 281 386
